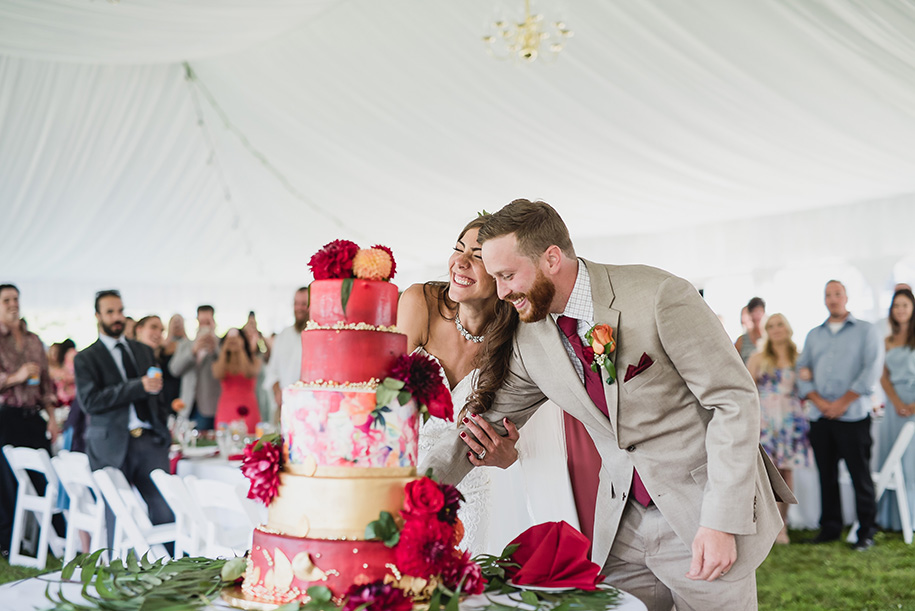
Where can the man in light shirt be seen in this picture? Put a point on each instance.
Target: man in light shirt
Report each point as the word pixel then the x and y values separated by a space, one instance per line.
pixel 838 371
pixel 285 363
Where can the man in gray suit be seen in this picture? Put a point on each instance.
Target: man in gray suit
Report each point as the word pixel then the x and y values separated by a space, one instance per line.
pixel 193 363
pixel 686 506
pixel 127 426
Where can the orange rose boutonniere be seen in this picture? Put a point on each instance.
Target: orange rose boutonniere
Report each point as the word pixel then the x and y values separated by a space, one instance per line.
pixel 600 340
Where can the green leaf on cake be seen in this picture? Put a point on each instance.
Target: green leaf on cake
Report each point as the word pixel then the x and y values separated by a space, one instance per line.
pixel 346 289
pixel 387 391
pixel 385 529
pixel 403 397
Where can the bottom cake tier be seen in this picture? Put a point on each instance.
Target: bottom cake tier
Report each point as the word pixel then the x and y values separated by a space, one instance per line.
pixel 281 568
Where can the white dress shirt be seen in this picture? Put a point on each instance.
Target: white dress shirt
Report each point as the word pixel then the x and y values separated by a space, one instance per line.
pixel 285 365
pixel 133 422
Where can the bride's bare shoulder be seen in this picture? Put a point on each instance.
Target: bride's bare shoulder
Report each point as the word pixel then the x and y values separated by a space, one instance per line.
pixel 413 312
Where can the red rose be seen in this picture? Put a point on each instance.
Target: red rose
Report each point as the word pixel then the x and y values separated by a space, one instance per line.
pixel 422 497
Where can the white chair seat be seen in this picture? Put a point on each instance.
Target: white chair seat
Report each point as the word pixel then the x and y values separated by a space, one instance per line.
pixel 890 477
pixel 28 501
pixel 230 522
pixel 132 528
pixel 87 508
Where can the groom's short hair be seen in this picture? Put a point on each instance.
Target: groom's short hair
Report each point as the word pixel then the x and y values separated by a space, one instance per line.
pixel 536 226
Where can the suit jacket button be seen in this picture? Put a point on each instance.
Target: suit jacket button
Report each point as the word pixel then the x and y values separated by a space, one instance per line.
pixel 630 449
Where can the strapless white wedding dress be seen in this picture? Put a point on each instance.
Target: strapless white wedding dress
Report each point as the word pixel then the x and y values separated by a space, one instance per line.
pixel 499 504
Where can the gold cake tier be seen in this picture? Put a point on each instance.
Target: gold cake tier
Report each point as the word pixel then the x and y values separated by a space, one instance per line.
pixel 334 507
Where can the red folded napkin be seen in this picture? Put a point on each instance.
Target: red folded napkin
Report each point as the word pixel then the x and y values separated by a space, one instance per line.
pixel 553 555
pixel 173 462
pixel 236 457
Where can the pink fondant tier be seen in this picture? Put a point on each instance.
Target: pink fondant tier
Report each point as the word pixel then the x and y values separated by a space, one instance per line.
pixel 349 355
pixel 370 301
pixel 282 568
pixel 340 427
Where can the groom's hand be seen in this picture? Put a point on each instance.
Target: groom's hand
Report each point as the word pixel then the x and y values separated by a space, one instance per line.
pixel 714 552
pixel 499 451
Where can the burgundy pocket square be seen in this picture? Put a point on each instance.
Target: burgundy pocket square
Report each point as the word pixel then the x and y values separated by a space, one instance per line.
pixel 633 370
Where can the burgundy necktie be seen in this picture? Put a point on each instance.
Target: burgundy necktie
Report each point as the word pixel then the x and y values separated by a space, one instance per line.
pixel 594 386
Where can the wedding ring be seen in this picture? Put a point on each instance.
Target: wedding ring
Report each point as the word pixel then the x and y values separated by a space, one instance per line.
pixel 482 454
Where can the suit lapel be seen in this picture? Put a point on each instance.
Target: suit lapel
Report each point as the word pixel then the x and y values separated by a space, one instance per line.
pixel 551 342
pixel 603 296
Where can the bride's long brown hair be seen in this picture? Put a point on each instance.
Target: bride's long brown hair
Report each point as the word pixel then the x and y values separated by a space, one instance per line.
pixel 495 353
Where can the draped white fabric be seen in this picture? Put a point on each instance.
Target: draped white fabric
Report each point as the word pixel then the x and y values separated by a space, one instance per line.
pixel 664 133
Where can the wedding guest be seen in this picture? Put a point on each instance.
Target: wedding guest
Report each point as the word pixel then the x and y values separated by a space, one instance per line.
pixel 236 368
pixel 684 483
pixel 784 426
pixel 25 389
pixel 127 429
pixel 176 335
pixel 898 382
pixel 747 344
pixel 193 363
pixel 64 377
pixel 838 371
pixel 259 350
pixel 130 328
pixel 285 363
pixel 149 330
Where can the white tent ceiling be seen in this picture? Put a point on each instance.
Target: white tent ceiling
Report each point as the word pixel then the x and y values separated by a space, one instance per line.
pixel 661 133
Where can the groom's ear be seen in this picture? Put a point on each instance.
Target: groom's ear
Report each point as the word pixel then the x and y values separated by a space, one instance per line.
pixel 552 259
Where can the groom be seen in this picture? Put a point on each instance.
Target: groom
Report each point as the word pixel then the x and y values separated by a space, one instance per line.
pixel 686 506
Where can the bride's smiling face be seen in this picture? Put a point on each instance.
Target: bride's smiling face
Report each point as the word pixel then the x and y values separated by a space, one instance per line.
pixel 468 278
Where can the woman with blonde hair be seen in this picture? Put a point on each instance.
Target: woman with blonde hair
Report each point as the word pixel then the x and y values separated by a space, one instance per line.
pixel 784 426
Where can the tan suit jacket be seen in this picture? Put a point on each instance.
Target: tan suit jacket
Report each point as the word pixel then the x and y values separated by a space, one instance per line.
pixel 689 423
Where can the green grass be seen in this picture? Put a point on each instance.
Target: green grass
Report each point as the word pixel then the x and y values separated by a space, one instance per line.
pixel 10 572
pixel 827 577
pixel 832 576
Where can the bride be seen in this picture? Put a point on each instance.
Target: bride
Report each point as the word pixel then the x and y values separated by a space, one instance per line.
pixel 464 325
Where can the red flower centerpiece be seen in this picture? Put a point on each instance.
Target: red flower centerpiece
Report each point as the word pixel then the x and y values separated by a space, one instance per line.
pixel 261 464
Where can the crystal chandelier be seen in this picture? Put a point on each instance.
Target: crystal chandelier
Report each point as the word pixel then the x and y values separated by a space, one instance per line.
pixel 528 39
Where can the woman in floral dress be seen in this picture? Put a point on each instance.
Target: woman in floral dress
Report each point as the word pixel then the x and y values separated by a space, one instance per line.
pixel 784 426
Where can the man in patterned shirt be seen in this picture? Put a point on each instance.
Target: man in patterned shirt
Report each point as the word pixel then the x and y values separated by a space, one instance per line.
pixel 25 389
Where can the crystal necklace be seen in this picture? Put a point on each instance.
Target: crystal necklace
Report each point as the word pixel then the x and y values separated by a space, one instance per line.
pixel 476 339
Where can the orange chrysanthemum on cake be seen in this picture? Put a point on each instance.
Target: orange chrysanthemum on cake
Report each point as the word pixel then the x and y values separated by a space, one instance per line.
pixel 374 263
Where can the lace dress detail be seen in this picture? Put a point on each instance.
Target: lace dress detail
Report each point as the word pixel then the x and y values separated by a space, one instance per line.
pixel 476 486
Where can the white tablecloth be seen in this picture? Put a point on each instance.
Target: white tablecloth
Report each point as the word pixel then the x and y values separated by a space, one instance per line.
pixel 29 595
pixel 213 468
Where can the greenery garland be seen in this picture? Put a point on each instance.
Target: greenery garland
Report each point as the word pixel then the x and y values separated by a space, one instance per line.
pixel 188 584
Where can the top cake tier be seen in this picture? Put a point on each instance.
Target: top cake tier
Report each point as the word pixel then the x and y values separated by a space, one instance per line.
pixel 372 302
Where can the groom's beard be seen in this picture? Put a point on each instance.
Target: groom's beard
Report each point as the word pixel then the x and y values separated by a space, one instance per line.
pixel 539 298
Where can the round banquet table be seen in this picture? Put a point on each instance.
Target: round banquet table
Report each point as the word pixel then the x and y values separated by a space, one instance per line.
pixel 29 595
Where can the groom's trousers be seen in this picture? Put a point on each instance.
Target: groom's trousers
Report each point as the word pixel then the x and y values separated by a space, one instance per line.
pixel 650 561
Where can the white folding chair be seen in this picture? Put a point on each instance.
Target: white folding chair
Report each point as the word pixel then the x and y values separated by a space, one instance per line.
pixel 190 521
pixel 87 508
pixel 890 477
pixel 28 501
pixel 132 528
pixel 229 525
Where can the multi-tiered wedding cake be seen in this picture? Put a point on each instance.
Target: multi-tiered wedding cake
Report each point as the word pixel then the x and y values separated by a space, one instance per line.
pixel 348 451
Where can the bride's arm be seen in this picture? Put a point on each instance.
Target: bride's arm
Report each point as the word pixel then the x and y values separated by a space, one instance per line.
pixel 413 317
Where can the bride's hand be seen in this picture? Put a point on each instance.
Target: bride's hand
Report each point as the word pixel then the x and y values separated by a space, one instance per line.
pixel 499 451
